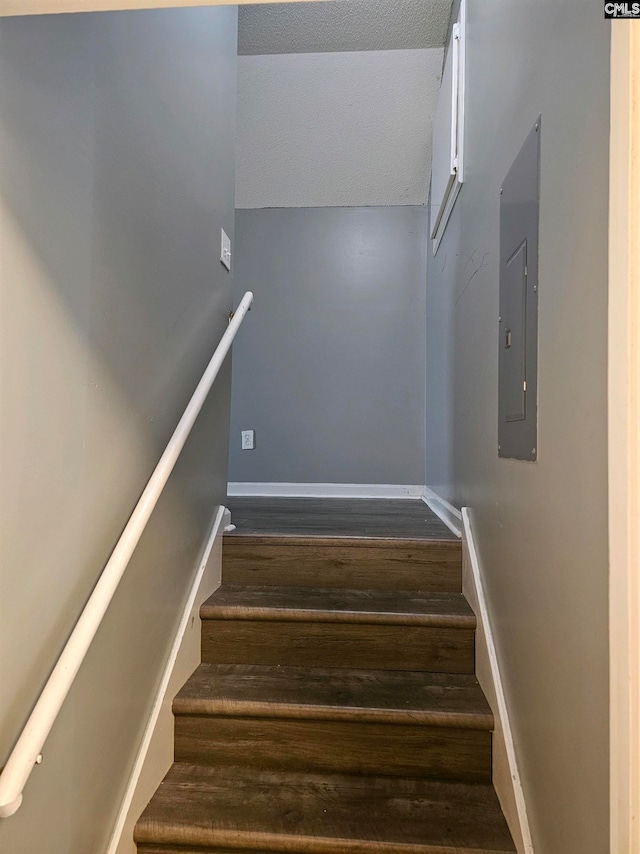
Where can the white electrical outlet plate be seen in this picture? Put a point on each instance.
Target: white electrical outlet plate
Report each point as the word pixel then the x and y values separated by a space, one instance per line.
pixel 247 440
pixel 225 249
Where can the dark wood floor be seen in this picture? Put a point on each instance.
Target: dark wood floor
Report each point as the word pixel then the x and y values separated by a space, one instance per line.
pixel 336 708
pixel 337 517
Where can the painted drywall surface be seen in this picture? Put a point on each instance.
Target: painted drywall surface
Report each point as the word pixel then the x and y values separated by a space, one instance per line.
pixel 440 346
pixel 329 367
pixel 352 25
pixel 336 129
pixel 541 527
pixel 116 170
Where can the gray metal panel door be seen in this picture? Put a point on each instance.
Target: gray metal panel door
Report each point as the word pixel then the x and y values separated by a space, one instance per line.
pixel 514 343
pixel 518 342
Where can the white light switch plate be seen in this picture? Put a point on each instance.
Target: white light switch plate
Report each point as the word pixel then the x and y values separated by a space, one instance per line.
pixel 225 249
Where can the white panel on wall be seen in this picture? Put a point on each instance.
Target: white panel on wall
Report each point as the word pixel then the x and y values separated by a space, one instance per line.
pixel 448 133
pixel 336 129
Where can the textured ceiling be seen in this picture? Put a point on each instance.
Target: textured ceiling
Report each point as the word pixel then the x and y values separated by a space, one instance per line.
pixel 350 129
pixel 342 25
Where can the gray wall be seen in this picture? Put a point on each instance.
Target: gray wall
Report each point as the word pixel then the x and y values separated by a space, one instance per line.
pixel 329 369
pixel 116 174
pixel 332 374
pixel 542 528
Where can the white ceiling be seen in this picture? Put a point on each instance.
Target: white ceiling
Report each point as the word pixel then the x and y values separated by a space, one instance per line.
pixel 342 25
pixel 346 129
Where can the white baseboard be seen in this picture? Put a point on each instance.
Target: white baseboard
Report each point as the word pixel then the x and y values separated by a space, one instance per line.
pixel 325 490
pixel 505 773
pixel 445 511
pixel 155 754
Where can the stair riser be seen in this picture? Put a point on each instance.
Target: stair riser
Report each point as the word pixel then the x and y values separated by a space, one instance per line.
pixel 335 746
pixel 172 849
pixel 369 849
pixel 309 644
pixel 432 568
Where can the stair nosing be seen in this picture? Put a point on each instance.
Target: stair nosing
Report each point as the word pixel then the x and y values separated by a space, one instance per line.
pixel 226 705
pixel 324 540
pixel 263 842
pixel 292 615
pixel 210 610
pixel 277 711
pixel 172 831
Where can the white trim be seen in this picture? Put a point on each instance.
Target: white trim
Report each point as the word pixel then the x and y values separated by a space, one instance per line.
pixel 462 87
pixel 155 753
pixel 325 490
pixel 505 772
pixel 445 511
pixel 457 47
pixel 624 438
pixel 447 210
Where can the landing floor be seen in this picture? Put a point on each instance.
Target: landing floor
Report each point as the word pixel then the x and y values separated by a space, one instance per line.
pixel 337 517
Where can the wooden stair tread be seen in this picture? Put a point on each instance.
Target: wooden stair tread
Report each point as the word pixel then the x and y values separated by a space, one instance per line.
pixel 404 697
pixel 376 517
pixel 267 602
pixel 322 814
pixel 322 539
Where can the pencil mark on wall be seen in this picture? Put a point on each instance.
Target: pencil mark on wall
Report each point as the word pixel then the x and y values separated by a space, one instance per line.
pixel 481 265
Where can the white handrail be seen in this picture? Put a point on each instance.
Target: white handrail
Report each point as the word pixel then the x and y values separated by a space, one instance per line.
pixel 27 750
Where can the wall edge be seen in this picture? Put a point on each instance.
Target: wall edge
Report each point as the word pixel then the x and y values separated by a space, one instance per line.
pixel 155 752
pixel 445 511
pixel 505 772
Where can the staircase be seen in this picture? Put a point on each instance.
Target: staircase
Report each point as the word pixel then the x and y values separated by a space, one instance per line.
pixel 335 710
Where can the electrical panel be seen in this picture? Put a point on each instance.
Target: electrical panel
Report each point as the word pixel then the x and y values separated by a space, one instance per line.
pixel 518 322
